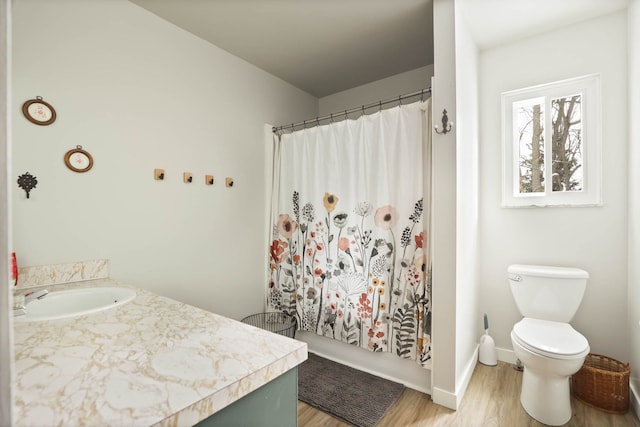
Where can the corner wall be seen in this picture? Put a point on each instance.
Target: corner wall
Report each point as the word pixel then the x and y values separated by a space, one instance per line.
pixel 468 319
pixel 456 198
pixel 139 93
pixel 445 185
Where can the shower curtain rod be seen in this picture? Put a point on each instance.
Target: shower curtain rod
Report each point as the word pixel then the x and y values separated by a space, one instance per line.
pixel 345 114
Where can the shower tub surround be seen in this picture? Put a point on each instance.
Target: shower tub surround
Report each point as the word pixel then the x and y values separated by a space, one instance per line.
pixel 152 361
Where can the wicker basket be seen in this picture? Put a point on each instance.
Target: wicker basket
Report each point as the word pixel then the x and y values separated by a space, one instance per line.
pixel 276 322
pixel 603 383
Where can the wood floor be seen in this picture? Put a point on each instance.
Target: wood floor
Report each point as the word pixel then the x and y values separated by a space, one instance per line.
pixel 491 400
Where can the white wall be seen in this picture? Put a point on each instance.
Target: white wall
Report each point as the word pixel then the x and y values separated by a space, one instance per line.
pixel 593 238
pixel 468 320
pixel 444 213
pixel 633 299
pixel 455 225
pixel 380 90
pixel 139 93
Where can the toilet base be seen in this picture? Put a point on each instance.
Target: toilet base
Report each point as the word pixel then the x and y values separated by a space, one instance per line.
pixel 546 398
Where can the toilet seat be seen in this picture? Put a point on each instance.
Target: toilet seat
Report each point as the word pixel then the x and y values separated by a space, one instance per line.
pixel 555 340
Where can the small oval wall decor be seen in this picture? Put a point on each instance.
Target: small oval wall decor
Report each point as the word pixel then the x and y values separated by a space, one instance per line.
pixel 78 160
pixel 39 112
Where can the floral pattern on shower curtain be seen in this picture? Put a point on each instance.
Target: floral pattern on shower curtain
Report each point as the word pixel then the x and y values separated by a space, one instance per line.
pixel 350 253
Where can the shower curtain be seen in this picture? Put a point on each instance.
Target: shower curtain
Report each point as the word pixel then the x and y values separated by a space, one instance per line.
pixel 350 254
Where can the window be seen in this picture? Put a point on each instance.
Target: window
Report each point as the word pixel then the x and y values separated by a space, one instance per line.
pixel 551 144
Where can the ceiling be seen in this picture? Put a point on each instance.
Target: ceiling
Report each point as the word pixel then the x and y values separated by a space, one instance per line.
pixel 319 46
pixel 327 46
pixel 494 22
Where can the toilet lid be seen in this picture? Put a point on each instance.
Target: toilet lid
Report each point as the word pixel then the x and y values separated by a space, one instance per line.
pixel 552 339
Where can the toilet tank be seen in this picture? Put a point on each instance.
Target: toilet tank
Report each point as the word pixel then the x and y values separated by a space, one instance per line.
pixel 547 293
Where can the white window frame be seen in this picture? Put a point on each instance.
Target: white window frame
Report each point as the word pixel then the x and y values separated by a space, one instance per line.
pixel 591 195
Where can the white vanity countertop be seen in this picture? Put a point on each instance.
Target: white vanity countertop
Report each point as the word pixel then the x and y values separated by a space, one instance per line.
pixel 152 361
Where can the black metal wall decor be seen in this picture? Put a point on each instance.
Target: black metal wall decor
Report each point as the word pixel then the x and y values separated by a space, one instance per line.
pixel 27 182
pixel 446 124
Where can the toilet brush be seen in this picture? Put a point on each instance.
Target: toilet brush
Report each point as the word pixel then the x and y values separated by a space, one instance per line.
pixel 487 351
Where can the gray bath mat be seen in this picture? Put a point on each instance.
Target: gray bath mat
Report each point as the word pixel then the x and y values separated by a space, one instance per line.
pixel 355 397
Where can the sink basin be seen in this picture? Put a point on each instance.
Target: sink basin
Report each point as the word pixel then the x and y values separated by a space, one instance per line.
pixel 75 302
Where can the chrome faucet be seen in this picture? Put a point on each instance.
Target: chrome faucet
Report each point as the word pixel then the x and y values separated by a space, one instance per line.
pixel 21 302
pixel 30 296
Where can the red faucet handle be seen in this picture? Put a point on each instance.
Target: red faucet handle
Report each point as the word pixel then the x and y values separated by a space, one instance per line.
pixel 14 269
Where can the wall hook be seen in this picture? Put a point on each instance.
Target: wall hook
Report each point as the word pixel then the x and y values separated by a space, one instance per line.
pixel 27 182
pixel 446 124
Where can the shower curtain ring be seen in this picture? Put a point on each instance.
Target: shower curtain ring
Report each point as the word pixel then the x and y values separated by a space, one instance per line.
pixel 380 106
pixel 422 95
pixel 400 100
pixel 331 118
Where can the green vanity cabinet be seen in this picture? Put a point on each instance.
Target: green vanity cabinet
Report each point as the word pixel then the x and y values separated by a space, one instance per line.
pixel 275 404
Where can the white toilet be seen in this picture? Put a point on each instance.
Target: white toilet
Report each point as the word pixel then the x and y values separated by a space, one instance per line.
pixel 544 341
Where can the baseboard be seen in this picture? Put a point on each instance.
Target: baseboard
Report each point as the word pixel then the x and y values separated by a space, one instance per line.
pixel 453 400
pixel 384 365
pixel 634 397
pixel 466 376
pixel 506 355
pixel 444 398
pixel 404 381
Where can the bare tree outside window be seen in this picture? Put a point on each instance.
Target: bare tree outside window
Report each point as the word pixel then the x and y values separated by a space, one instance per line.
pixel 530 130
pixel 566 143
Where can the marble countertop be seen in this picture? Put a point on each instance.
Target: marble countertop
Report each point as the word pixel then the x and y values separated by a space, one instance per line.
pixel 152 361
